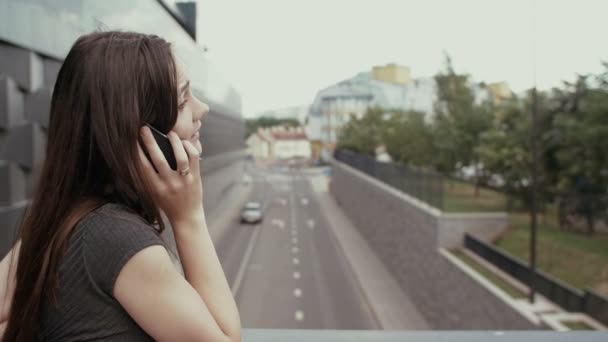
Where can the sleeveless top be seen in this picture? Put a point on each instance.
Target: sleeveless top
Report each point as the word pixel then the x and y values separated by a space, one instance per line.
pixel 100 245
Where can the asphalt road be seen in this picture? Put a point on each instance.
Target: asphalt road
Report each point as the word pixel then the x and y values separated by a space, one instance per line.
pixel 287 272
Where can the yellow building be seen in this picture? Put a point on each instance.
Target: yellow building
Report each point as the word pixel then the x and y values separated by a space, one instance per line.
pixel 392 73
pixel 500 91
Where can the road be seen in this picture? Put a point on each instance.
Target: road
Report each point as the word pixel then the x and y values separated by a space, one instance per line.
pixel 287 272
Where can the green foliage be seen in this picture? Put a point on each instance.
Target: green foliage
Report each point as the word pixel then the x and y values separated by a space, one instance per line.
pixel 252 125
pixel 504 149
pixel 365 134
pixel 579 134
pixel 459 122
pixel 570 137
pixel 408 138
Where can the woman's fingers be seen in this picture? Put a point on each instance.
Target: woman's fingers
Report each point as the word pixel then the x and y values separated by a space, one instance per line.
pixel 193 156
pixel 148 168
pixel 179 150
pixel 158 159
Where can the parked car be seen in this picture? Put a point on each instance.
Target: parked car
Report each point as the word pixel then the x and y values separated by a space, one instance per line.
pixel 252 212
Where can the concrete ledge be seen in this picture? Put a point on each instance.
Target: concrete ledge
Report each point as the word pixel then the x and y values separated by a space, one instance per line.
pixel 295 335
pixel 488 285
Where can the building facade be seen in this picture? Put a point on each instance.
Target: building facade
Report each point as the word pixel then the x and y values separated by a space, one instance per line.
pixel 389 87
pixel 280 143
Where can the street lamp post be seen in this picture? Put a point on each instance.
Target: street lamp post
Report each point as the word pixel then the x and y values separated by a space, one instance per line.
pixel 534 176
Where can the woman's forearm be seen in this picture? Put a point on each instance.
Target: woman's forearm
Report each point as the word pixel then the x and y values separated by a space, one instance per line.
pixel 204 272
pixel 2 329
pixel 7 281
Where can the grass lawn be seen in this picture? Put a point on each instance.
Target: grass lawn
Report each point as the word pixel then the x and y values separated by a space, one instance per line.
pixel 460 197
pixel 577 325
pixel 492 277
pixel 577 259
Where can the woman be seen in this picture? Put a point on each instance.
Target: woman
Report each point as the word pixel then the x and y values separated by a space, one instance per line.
pixel 90 264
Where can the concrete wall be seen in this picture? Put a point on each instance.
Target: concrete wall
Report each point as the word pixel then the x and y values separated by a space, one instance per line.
pixel 406 234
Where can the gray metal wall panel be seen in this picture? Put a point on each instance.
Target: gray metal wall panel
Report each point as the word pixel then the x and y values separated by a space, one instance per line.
pixel 37 106
pixel 10 217
pixel 11 104
pixel 24 66
pixel 12 183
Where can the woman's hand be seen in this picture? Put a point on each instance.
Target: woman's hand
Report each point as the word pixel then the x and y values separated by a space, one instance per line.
pixel 178 193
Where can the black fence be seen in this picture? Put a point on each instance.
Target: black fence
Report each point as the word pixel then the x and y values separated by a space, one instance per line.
pixel 424 185
pixel 566 296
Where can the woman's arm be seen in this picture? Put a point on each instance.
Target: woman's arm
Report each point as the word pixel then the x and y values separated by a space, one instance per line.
pixel 204 272
pixel 171 308
pixel 149 287
pixel 7 284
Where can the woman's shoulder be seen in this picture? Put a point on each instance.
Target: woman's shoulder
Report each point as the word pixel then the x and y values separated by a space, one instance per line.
pixel 113 226
pixel 111 235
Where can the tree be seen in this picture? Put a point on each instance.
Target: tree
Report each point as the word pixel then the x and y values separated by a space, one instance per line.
pixel 365 134
pixel 408 138
pixel 459 123
pixel 252 125
pixel 579 135
pixel 504 149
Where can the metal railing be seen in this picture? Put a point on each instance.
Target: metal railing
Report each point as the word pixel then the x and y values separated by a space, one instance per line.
pixel 425 185
pixel 566 296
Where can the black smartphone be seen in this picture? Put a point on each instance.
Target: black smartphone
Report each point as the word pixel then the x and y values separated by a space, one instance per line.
pixel 165 146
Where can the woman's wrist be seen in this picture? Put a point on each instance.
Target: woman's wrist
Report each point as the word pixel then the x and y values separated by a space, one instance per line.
pixel 193 221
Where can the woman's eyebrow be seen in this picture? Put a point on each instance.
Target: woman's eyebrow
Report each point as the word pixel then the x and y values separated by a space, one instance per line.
pixel 184 88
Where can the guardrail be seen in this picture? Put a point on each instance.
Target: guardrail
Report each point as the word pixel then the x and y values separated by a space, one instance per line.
pixel 566 296
pixel 427 186
pixel 310 335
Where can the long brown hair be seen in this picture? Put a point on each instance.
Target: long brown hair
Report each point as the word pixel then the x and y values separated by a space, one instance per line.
pixel 109 85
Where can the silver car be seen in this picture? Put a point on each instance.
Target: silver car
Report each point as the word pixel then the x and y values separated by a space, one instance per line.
pixel 252 212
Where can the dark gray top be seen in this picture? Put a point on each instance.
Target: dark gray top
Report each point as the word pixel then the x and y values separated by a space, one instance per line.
pixel 100 245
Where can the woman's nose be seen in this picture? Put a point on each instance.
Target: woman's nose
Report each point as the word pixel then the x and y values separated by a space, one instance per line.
pixel 201 110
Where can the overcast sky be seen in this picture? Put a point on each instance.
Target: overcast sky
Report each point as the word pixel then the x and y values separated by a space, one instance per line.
pixel 279 53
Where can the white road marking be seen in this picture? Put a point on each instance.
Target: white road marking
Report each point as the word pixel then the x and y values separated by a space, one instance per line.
pixel 279 223
pixel 311 224
pixel 296 275
pixel 296 261
pixel 299 315
pixel 294 240
pixel 304 201
pixel 282 201
pixel 241 273
pixel 295 250
pixel 297 292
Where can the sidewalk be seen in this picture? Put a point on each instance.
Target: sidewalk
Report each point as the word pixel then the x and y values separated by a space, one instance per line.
pixel 392 307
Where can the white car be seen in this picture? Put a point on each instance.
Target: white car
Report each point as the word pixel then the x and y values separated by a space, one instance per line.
pixel 252 212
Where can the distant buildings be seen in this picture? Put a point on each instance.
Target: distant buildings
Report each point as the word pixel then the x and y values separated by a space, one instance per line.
pixel 279 143
pixel 389 87
pixel 298 113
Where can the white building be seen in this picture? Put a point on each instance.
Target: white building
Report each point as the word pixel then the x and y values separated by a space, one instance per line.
pixel 333 106
pixel 388 87
pixel 298 113
pixel 260 145
pixel 279 143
